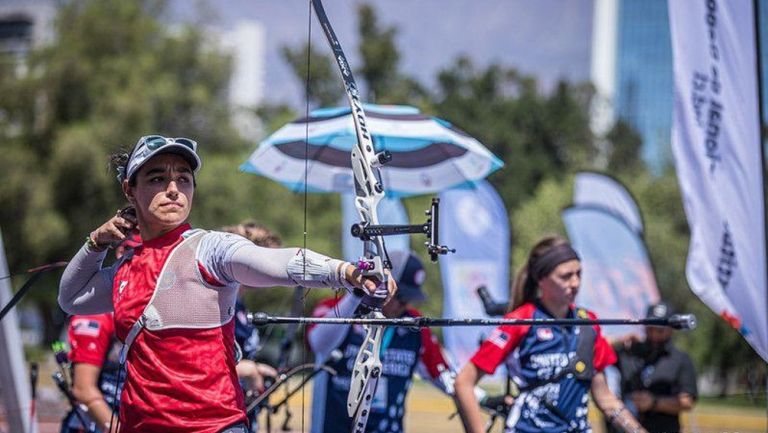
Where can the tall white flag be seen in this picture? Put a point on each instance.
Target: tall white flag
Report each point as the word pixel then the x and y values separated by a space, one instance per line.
pixel 475 222
pixel 716 144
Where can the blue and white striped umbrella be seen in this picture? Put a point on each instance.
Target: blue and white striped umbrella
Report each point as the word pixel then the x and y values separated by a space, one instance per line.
pixel 428 154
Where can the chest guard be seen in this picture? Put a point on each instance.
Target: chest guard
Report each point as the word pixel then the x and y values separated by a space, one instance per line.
pixel 581 366
pixel 182 298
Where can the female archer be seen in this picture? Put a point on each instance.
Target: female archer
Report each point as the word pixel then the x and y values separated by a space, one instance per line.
pixel 555 367
pixel 173 297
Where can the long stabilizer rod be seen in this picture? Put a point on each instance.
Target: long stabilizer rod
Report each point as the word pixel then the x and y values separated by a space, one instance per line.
pixel 677 321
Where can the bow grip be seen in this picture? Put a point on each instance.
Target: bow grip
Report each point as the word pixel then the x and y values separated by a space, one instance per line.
pixel 373 269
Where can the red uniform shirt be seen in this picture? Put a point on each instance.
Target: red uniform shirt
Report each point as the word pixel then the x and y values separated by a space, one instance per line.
pixel 540 365
pixel 90 338
pixel 506 338
pixel 178 380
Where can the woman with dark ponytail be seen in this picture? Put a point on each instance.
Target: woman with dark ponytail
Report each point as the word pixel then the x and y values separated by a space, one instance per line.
pixel 525 286
pixel 554 367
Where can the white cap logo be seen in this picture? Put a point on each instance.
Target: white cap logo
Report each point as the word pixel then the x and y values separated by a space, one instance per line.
pixel 419 277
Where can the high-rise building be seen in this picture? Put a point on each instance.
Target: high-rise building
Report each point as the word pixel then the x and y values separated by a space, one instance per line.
pixel 23 26
pixel 632 71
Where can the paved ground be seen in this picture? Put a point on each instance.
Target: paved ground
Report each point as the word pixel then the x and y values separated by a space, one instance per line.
pixel 429 411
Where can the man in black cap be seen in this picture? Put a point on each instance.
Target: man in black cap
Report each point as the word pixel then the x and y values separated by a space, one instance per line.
pixel 657 379
pixel 404 351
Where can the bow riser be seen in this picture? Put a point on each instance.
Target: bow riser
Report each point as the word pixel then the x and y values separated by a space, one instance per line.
pixel 364 411
pixel 375 261
pixel 369 191
pixel 366 372
pixel 374 248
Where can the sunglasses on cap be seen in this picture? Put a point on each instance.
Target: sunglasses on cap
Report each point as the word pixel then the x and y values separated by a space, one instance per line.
pixel 153 142
pixel 150 145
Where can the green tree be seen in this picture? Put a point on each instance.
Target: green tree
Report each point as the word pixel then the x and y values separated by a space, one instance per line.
pixel 625 144
pixel 538 216
pixel 378 51
pixel 380 68
pixel 378 72
pixel 321 81
pixel 273 116
pixel 538 136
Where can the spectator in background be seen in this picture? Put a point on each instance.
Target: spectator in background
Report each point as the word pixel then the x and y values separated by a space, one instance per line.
pixel 658 381
pixel 404 351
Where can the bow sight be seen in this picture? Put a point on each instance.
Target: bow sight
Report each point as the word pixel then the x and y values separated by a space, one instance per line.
pixel 429 228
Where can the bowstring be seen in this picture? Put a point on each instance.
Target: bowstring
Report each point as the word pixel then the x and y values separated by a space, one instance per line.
pixel 306 180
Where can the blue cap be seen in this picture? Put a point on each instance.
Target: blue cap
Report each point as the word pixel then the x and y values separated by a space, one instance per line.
pixel 409 274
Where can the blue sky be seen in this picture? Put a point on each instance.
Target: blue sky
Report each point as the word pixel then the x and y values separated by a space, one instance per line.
pixel 546 38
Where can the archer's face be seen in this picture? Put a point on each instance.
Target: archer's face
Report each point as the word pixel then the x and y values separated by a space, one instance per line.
pixel 562 284
pixel 658 335
pixel 163 193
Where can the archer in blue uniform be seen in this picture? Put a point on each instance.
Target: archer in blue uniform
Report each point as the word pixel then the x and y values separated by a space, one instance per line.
pixel 404 352
pixel 555 367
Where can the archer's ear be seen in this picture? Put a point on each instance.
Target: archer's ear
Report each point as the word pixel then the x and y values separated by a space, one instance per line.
pixel 128 192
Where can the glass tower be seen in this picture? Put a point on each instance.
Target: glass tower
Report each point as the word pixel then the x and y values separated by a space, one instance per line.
pixel 642 90
pixel 644 85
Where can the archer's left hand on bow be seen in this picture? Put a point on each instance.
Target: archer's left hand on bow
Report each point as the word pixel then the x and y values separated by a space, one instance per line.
pixel 370 285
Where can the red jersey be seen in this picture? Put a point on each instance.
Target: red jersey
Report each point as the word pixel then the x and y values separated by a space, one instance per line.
pixel 90 338
pixel 93 342
pixel 178 380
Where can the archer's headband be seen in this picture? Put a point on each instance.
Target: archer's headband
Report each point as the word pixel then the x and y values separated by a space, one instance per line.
pixel 547 262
